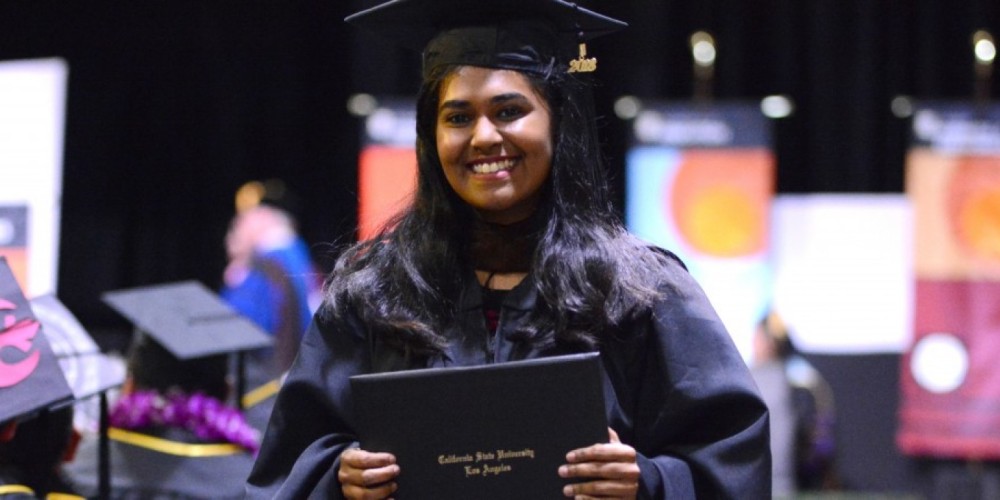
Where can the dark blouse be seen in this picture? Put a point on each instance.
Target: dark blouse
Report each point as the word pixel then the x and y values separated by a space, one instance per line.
pixel 492 302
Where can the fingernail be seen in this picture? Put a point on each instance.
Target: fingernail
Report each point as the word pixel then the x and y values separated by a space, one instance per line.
pixel 567 491
pixel 563 471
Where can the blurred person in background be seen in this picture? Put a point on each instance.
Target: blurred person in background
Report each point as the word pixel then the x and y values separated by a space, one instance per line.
pixel 801 407
pixel 32 452
pixel 270 277
pixel 172 435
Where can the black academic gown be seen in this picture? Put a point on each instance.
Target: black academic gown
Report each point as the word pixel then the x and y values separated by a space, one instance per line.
pixel 139 472
pixel 259 401
pixel 676 390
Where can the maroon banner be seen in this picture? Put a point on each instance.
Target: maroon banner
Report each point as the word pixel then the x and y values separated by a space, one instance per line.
pixel 950 377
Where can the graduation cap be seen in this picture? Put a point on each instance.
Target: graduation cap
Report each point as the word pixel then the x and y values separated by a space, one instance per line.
pixel 189 321
pixel 30 377
pixel 88 371
pixel 540 37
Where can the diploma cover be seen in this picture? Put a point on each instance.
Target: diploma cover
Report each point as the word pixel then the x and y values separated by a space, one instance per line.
pixel 483 432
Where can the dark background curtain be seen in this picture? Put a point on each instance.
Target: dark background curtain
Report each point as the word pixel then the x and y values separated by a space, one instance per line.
pixel 173 104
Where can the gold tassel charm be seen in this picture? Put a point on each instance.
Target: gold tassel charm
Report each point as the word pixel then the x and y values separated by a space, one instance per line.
pixel 583 64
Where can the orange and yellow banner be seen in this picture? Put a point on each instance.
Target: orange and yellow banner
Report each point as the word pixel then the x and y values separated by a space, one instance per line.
pixel 700 182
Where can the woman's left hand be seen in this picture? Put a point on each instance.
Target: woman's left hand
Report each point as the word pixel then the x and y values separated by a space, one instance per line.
pixel 610 471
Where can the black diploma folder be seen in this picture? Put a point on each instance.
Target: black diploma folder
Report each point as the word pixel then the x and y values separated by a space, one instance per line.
pixel 483 432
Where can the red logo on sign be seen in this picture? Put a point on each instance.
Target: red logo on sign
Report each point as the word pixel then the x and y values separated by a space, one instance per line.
pixel 20 336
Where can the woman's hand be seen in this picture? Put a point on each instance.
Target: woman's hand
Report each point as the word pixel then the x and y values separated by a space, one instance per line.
pixel 610 469
pixel 366 475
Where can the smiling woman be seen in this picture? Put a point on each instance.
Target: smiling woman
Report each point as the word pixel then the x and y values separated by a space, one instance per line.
pixel 510 250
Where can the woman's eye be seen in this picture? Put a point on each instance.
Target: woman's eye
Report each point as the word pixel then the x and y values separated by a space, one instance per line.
pixel 510 112
pixel 456 119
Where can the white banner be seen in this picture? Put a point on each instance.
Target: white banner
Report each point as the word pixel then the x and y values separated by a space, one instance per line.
pixel 32 116
pixel 843 271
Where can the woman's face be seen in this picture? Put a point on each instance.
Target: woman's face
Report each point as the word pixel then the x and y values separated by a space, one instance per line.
pixel 495 142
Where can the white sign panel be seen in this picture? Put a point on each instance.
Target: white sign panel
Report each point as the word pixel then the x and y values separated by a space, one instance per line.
pixel 32 115
pixel 844 271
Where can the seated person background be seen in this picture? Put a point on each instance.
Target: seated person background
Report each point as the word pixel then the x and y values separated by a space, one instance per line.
pixel 172 434
pixel 31 455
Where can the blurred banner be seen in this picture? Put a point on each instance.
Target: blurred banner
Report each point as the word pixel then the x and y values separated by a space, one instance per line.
pixel 843 271
pixel 950 376
pixel 387 169
pixel 699 182
pixel 32 114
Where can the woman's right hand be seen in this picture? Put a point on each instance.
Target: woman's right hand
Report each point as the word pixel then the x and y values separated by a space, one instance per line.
pixel 366 475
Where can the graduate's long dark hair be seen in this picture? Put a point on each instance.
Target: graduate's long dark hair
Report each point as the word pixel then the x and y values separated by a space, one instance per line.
pixel 405 283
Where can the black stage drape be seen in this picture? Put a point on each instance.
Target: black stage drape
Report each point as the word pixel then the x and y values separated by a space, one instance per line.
pixel 173 104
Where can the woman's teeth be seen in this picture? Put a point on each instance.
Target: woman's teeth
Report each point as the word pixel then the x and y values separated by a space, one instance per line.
pixel 492 167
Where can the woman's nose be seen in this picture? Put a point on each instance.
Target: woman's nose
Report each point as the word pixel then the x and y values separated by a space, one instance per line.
pixel 485 135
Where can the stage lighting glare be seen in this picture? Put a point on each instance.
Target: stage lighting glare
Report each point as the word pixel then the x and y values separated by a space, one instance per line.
pixel 703 48
pixel 777 106
pixel 986 51
pixel 362 104
pixel 983 47
pixel 627 107
pixel 902 106
pixel 649 126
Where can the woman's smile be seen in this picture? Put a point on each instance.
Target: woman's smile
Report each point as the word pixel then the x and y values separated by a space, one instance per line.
pixel 492 166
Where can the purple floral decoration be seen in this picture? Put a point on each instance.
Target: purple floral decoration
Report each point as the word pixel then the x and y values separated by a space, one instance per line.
pixel 207 417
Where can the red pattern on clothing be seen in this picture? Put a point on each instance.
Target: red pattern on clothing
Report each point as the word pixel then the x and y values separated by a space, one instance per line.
pixel 492 319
